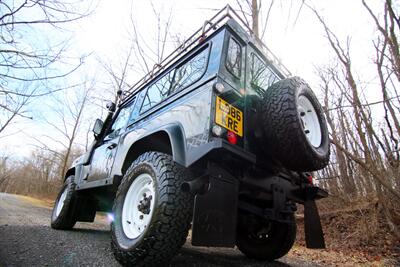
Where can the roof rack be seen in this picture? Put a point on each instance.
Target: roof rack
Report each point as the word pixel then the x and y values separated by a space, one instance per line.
pixel 209 27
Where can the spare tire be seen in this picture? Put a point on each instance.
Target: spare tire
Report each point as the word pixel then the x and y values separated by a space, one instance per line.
pixel 294 126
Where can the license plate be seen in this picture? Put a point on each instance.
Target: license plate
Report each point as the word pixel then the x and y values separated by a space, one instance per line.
pixel 228 116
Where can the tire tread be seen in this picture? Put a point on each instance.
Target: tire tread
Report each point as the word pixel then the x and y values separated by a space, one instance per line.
pixel 172 224
pixel 67 217
pixel 284 135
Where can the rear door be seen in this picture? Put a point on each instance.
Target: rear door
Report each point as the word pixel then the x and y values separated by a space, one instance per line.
pixel 260 74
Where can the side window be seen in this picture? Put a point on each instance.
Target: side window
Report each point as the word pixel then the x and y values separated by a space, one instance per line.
pixel 158 91
pixel 134 112
pixel 233 57
pixel 261 76
pixel 190 72
pixel 176 80
pixel 121 121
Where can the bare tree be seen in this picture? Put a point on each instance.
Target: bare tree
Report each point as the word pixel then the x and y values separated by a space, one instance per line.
pixel 257 14
pixel 65 122
pixel 365 144
pixel 36 176
pixel 250 10
pixel 118 73
pixel 5 170
pixel 142 56
pixel 147 55
pixel 28 59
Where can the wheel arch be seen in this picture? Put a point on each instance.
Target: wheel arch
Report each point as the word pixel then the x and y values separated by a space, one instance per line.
pixel 169 140
pixel 70 172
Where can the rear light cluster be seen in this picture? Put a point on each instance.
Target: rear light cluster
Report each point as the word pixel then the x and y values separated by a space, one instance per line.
pixel 232 138
pixel 228 115
pixel 310 179
pixel 229 135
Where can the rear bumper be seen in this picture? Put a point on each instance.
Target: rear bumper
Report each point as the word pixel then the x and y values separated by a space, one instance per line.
pixel 294 191
pixel 234 150
pixel 216 146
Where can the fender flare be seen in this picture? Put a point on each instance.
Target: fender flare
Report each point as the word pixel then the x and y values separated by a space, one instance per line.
pixel 172 139
pixel 177 140
pixel 70 171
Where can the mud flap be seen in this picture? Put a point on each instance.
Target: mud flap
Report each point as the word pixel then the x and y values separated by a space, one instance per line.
pixel 85 209
pixel 312 226
pixel 215 212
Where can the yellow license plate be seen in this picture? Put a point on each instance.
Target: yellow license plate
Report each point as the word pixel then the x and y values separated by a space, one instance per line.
pixel 229 117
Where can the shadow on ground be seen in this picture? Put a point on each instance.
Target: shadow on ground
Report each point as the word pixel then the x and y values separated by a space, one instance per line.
pixel 39 245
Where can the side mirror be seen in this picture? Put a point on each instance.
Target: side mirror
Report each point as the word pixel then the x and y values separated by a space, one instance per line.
pixel 97 127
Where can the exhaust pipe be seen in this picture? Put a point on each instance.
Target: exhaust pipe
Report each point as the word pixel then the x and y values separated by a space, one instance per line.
pixel 199 185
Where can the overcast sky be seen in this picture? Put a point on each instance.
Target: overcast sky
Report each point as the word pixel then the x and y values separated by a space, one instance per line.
pixel 298 41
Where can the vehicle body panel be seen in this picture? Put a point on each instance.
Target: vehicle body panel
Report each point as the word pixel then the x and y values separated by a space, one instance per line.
pixel 183 123
pixel 186 116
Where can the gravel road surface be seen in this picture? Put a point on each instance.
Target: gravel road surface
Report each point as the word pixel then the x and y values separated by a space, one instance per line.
pixel 26 239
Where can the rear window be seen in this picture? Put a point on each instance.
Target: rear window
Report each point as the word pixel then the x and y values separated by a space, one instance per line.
pixel 233 57
pixel 176 80
pixel 261 76
pixel 190 72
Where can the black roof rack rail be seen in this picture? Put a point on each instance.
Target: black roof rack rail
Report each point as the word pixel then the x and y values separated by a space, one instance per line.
pixel 209 27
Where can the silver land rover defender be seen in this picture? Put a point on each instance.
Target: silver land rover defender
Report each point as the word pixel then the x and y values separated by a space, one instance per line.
pixel 217 138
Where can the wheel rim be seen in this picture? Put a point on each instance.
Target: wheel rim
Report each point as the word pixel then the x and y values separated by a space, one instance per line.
pixel 61 200
pixel 138 206
pixel 310 121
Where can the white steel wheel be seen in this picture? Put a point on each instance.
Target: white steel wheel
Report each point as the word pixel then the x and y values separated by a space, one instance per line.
pixel 138 206
pixel 60 203
pixel 63 216
pixel 152 214
pixel 310 121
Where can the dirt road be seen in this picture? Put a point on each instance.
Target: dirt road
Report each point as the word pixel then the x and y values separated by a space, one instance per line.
pixel 26 239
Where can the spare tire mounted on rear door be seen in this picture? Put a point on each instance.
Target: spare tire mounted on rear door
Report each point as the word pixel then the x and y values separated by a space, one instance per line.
pixel 294 126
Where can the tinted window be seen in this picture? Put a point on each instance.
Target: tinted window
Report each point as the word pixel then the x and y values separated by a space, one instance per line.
pixel 233 57
pixel 261 76
pixel 134 113
pixel 190 72
pixel 176 80
pixel 121 120
pixel 158 91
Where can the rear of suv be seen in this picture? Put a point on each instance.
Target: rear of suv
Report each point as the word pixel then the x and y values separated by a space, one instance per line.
pixel 217 138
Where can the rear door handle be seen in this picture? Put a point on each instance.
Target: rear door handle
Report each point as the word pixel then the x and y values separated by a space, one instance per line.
pixel 112 146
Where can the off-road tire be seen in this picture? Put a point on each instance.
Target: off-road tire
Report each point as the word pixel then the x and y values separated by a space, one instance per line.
pixel 284 137
pixel 278 243
pixel 171 217
pixel 66 219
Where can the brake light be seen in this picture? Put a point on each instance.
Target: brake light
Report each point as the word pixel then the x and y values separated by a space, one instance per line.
pixel 232 138
pixel 310 179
